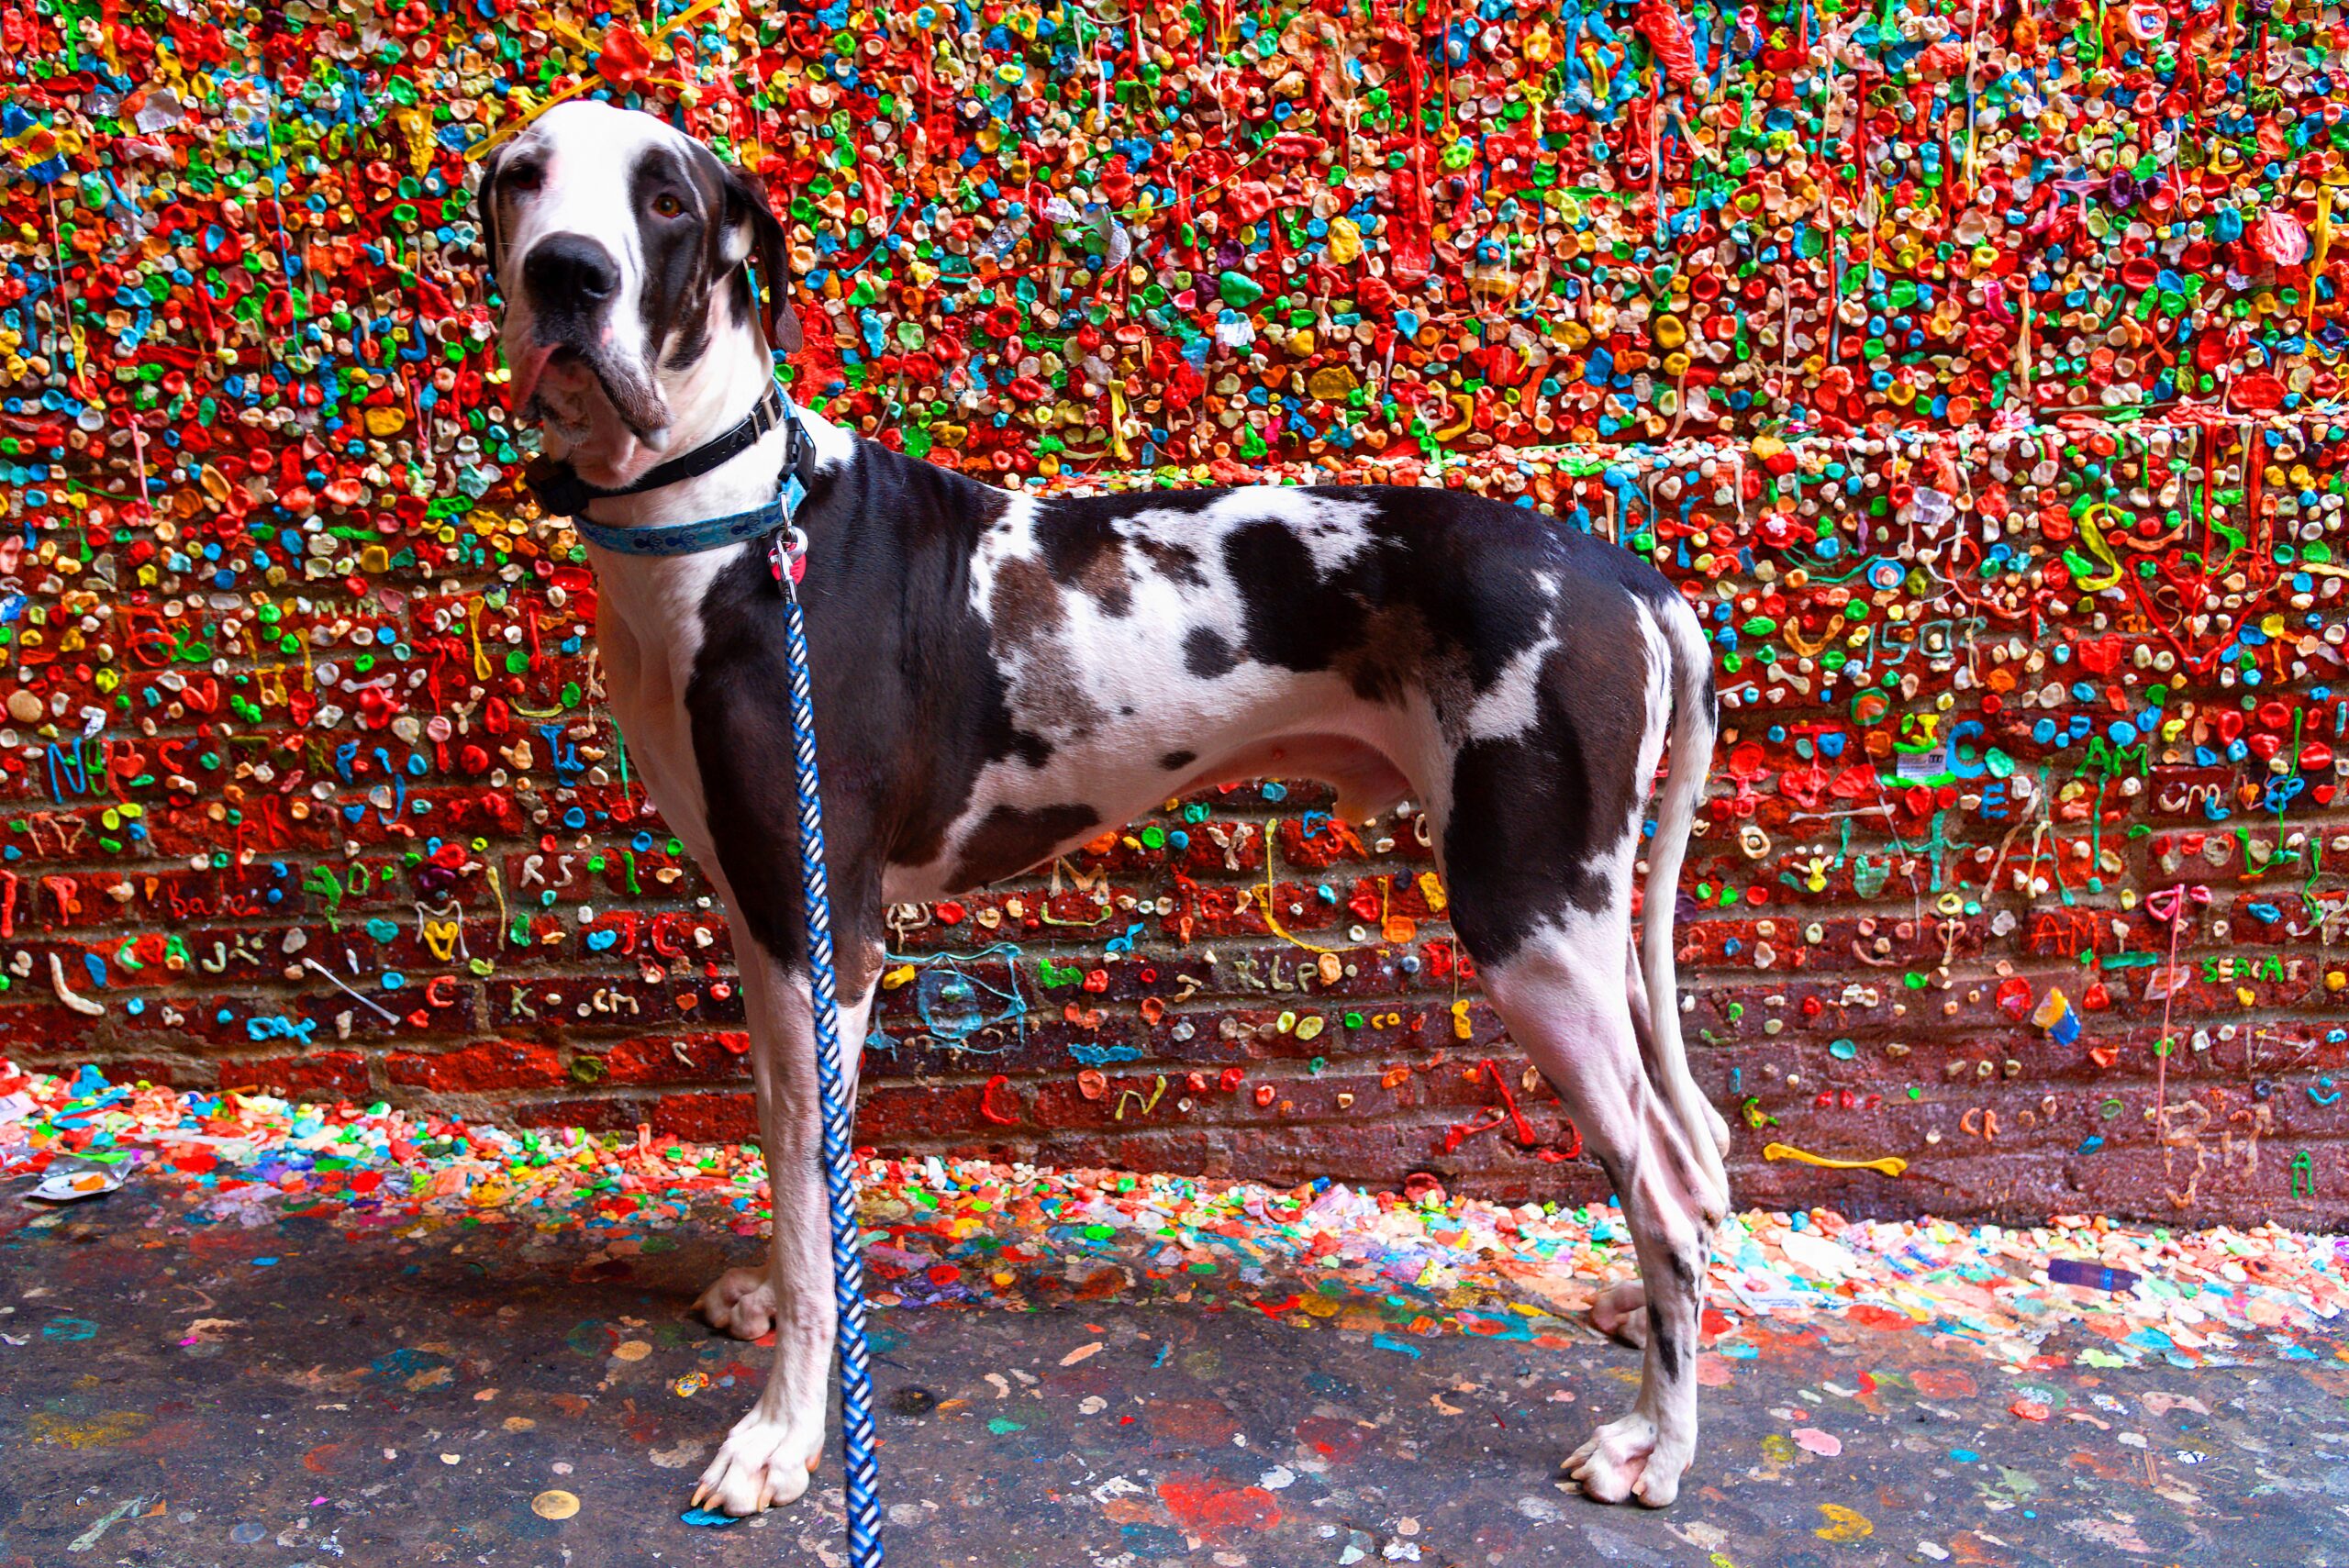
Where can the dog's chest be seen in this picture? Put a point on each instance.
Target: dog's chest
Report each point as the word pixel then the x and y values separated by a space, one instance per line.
pixel 648 626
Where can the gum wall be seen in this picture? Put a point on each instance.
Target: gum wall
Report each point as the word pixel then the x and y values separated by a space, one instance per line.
pixel 1974 369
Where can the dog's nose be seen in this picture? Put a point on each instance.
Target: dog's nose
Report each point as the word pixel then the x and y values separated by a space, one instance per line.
pixel 569 272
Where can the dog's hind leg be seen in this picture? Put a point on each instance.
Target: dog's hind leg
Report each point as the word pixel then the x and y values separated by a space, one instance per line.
pixel 1562 996
pixel 1668 1074
pixel 1679 681
pixel 770 1453
pixel 1618 1310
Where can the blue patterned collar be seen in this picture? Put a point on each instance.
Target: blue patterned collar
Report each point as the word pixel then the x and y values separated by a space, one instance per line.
pixel 693 538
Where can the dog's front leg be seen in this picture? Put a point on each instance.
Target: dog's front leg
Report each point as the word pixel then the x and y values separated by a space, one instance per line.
pixel 768 1456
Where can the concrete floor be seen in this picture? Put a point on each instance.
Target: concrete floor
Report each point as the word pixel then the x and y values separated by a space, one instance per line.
pixel 306 1392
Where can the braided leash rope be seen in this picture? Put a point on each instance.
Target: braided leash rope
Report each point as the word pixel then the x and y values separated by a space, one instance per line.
pixel 838 1103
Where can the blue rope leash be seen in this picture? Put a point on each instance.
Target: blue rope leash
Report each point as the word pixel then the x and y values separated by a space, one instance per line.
pixel 839 1110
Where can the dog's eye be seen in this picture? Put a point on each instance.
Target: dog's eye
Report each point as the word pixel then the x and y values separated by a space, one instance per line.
pixel 667 206
pixel 526 178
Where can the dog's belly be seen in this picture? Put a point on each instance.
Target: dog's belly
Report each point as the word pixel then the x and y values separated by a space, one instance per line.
pixel 1368 781
pixel 1020 818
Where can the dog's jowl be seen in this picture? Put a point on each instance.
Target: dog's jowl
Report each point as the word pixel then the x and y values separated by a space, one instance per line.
pixel 1000 677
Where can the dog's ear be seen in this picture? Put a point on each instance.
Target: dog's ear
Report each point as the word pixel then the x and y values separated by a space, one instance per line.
pixel 486 207
pixel 753 234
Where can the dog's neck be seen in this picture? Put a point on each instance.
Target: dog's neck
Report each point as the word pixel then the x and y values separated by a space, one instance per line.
pixel 659 596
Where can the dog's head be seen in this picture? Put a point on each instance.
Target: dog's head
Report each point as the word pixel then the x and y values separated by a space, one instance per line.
pixel 621 245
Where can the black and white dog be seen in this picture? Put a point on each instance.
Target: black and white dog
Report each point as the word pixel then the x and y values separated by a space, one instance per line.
pixel 998 677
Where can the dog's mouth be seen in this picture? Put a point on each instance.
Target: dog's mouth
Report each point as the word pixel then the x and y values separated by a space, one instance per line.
pixel 560 385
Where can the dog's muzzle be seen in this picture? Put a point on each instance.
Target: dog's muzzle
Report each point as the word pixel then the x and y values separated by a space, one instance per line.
pixel 570 283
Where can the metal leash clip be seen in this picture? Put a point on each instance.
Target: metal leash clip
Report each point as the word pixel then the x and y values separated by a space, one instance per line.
pixel 787 555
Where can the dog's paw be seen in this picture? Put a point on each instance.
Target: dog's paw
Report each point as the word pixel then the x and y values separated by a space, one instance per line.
pixel 1624 1459
pixel 764 1464
pixel 739 1302
pixel 1620 1312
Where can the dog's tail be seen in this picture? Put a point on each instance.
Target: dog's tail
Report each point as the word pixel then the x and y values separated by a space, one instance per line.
pixel 1696 720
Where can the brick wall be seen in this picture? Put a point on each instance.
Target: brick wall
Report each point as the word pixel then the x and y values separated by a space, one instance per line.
pixel 2018 531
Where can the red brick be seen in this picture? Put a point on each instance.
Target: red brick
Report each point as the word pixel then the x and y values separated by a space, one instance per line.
pixel 341 1073
pixel 657 1061
pixel 497 1065
pixel 706 1118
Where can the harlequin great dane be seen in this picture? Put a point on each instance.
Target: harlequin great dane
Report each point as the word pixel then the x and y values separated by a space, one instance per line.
pixel 998 677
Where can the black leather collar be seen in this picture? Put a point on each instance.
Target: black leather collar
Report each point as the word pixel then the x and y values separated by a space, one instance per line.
pixel 563 493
